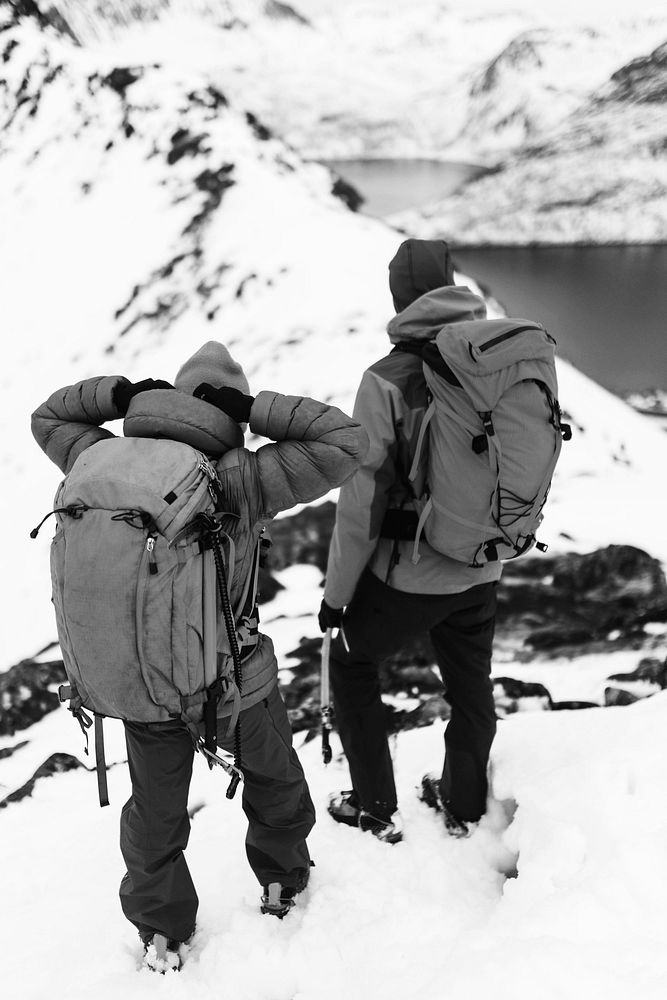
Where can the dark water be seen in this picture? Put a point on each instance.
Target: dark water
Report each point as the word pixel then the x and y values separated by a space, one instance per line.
pixel 605 306
pixel 393 185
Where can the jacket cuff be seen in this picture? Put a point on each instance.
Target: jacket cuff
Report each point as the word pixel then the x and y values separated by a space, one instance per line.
pixel 260 412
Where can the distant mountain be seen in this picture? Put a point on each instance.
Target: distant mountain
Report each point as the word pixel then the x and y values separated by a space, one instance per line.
pixel 540 78
pixel 599 177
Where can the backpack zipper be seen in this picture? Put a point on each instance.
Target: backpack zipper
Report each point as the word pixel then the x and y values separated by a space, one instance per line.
pixel 150 548
pixel 505 336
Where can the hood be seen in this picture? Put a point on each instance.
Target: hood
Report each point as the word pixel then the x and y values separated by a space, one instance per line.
pixel 424 317
pixel 417 267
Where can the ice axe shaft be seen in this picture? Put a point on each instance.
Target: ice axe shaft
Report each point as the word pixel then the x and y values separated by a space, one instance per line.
pixel 325 708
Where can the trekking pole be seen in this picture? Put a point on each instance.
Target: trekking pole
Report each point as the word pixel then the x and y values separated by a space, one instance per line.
pixel 325 708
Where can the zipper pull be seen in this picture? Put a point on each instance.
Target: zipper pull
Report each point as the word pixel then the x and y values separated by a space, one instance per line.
pixel 150 547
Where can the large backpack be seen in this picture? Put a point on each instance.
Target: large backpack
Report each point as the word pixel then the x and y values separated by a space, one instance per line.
pixel 492 434
pixel 138 568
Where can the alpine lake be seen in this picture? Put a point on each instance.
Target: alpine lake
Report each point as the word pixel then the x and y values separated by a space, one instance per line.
pixel 606 306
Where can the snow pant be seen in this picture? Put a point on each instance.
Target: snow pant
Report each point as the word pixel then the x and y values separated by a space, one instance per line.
pixel 157 892
pixel 378 622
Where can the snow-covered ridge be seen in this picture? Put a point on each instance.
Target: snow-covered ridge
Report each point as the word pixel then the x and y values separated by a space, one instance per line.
pixel 454 81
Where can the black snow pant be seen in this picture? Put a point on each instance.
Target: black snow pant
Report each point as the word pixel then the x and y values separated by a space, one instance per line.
pixel 157 892
pixel 378 622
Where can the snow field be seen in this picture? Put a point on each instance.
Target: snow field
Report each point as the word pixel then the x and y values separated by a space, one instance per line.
pixel 429 918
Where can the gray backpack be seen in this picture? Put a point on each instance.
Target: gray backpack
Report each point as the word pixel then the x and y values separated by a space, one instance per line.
pixel 138 569
pixel 489 440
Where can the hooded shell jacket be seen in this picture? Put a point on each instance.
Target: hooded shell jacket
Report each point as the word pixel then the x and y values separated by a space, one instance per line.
pixel 316 448
pixel 390 404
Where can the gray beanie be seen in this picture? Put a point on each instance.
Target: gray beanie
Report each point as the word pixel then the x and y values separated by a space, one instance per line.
pixel 214 364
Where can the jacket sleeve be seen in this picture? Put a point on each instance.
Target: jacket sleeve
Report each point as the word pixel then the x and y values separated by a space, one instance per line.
pixel 71 418
pixel 317 448
pixel 363 501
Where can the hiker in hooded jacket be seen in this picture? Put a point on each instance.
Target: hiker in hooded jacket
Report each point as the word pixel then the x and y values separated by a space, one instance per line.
pixel 380 597
pixel 316 447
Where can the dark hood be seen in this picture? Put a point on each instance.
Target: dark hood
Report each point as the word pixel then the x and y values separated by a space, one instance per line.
pixel 419 266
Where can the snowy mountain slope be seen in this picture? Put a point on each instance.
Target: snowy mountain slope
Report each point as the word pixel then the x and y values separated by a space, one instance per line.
pixel 599 177
pixel 538 80
pixel 455 81
pixel 575 810
pixel 143 216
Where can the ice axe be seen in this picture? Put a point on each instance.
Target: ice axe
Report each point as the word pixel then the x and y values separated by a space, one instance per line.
pixel 325 695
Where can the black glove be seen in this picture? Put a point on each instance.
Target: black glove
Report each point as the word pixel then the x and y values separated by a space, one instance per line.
pixel 232 402
pixel 329 617
pixel 125 391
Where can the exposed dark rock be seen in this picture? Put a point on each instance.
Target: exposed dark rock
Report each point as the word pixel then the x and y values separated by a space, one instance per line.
pixel 183 143
pixel 260 131
pixel 303 538
pixel 570 706
pixel 122 77
pixel 209 97
pixel 44 14
pixel 6 752
pixel 425 714
pixel 284 12
pixel 512 696
pixel 567 602
pixel 25 697
pixel 214 183
pixel 347 193
pixel 617 696
pixel 551 604
pixel 8 49
pixel 650 669
pixel 522 53
pixel 643 80
pixel 55 764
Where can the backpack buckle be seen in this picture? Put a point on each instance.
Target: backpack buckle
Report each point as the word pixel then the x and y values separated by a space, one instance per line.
pixel 65 692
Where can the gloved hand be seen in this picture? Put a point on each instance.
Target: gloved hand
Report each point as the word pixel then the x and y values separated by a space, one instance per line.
pixel 329 617
pixel 232 402
pixel 125 391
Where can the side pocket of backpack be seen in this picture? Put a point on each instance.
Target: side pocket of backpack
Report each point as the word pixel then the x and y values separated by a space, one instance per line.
pixel 57 562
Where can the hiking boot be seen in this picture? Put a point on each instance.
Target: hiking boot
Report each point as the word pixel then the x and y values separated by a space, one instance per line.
pixel 388 830
pixel 431 795
pixel 343 808
pixel 278 899
pixel 162 954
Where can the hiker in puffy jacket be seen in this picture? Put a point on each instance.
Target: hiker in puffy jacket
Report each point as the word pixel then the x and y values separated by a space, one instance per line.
pixel 380 598
pixel 317 447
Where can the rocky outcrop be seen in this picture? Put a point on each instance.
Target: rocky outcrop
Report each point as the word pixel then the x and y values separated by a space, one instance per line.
pixel 27 693
pixel 512 696
pixel 554 604
pixel 564 604
pixel 55 764
pixel 521 55
pixel 642 80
